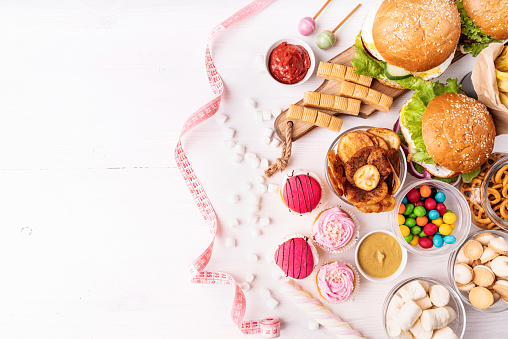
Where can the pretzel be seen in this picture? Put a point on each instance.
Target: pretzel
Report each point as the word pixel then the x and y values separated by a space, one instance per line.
pixel 493 192
pixel 503 209
pixel 501 174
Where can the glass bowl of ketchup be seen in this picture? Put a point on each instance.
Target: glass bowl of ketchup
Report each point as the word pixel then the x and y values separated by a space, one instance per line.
pixel 290 61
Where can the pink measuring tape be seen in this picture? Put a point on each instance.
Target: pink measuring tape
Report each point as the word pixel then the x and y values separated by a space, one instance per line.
pixel 270 327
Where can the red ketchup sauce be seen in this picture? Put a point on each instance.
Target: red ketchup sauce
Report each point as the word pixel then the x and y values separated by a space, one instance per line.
pixel 289 63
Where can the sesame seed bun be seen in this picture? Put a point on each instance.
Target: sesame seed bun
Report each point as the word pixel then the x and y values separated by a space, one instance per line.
pixel 458 132
pixel 490 16
pixel 416 35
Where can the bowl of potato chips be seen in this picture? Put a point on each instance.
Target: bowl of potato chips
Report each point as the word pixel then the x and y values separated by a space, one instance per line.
pixel 365 167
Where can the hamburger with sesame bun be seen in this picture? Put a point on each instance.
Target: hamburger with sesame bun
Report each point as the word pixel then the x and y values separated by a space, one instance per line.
pixel 402 41
pixel 483 22
pixel 447 133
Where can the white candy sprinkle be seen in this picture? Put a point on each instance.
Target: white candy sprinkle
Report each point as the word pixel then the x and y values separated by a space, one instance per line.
pixel 262 188
pixel 275 142
pixel 253 257
pixel 276 112
pixel 276 274
pixel 229 143
pixel 239 149
pixel 233 222
pixel 313 325
pixel 265 221
pixel 267 140
pixel 260 180
pixel 255 163
pixel 229 132
pixel 247 186
pixel 234 198
pixel 237 158
pixel 253 219
pixel 255 232
pixel 258 116
pixel 267 115
pixel 268 132
pixel 250 156
pixel 264 163
pixel 249 278
pixel 230 242
pixel 250 103
pixel 245 286
pixel 272 303
pixel 222 118
pixel 265 293
pixel 273 188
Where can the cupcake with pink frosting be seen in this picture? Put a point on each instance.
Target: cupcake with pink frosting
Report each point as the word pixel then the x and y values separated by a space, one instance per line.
pixel 336 282
pixel 301 191
pixel 335 230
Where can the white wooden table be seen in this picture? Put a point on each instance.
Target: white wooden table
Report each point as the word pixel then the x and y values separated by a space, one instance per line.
pixel 97 226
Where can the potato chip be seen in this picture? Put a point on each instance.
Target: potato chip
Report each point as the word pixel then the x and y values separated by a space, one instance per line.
pixel 366 177
pixel 391 138
pixel 356 195
pixel 352 142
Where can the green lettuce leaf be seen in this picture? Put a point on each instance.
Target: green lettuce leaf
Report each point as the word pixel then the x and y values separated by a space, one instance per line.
pixel 467 177
pixel 479 39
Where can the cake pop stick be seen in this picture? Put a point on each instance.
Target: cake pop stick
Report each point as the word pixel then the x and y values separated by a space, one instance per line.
pixel 326 39
pixel 306 25
pixel 323 315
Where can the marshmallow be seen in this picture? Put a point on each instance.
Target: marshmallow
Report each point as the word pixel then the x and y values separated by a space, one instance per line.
pixel 268 132
pixel 419 332
pixel 267 140
pixel 276 112
pixel 272 303
pixel 250 103
pixel 222 118
pixel 254 207
pixel 250 156
pixel 267 115
pixel 233 222
pixel 265 221
pixel 229 143
pixel 424 303
pixel 253 257
pixel 255 232
pixel 265 293
pixel 253 219
pixel 262 188
pixel 394 305
pixel 258 116
pixel 412 291
pixel 237 158
pixel 275 142
pixel 437 317
pixel 229 132
pixel 249 277
pixel 260 180
pixel 393 328
pixel 407 315
pixel 239 149
pixel 439 295
pixel 255 163
pixel 233 198
pixel 264 163
pixel 245 286
pixel 230 242
pixel 425 285
pixel 313 325
pixel 273 188
pixel 444 333
pixel 247 186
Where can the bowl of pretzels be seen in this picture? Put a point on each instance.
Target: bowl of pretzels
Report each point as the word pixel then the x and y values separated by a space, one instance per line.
pixel 487 194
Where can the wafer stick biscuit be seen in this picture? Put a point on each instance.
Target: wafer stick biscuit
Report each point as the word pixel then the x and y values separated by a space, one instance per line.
pixel 336 72
pixel 314 117
pixel 368 96
pixel 329 101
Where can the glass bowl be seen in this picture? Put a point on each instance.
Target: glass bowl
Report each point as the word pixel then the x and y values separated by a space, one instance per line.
pixel 292 41
pixel 485 207
pixel 500 305
pixel 389 278
pixel 333 146
pixel 458 325
pixel 455 201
